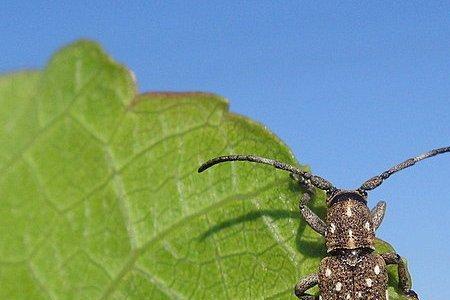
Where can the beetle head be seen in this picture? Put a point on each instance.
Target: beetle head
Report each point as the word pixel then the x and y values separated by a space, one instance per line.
pixel 344 195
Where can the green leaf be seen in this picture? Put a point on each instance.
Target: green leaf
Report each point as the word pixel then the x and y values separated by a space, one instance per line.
pixel 101 198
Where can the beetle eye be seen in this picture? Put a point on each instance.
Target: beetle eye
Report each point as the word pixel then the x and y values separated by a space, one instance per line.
pixel 363 193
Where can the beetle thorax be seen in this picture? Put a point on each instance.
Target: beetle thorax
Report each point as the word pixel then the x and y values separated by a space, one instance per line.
pixel 349 223
pixel 352 257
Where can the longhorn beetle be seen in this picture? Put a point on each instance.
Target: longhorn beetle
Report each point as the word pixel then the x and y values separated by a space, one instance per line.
pixel 352 270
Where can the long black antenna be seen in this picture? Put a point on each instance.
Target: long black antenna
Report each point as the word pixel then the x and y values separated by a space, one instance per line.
pixel 317 181
pixel 377 180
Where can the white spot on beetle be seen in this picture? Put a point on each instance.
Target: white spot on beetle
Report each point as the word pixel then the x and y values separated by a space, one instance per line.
pixel 359 295
pixel 349 211
pixel 377 269
pixel 368 282
pixel 338 287
pixel 367 226
pixel 332 227
pixel 348 296
pixel 327 272
pixel 351 241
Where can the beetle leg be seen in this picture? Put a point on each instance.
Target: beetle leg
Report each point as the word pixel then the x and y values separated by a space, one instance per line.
pixel 304 183
pixel 304 285
pixel 310 217
pixel 404 281
pixel 378 214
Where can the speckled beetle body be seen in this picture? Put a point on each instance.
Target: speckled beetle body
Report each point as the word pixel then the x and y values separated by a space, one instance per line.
pixel 352 270
pixel 350 225
pixel 353 275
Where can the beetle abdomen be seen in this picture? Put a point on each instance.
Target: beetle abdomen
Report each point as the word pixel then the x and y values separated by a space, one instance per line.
pixel 350 226
pixel 366 280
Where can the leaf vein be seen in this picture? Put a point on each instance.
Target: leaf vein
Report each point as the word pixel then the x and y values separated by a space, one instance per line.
pixel 160 235
pixel 160 284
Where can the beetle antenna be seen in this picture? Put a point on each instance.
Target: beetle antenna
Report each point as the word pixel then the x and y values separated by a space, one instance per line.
pixel 317 181
pixel 377 180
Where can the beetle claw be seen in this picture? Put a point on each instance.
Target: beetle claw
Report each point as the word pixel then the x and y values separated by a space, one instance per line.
pixel 412 295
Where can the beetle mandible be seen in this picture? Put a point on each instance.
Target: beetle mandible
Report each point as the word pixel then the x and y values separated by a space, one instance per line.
pixel 352 270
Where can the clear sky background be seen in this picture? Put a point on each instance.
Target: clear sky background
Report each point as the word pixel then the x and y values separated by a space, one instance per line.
pixel 352 88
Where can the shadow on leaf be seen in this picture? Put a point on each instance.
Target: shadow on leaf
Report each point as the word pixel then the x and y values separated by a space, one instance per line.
pixel 309 248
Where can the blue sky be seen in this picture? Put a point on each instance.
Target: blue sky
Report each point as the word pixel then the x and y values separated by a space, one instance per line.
pixel 352 88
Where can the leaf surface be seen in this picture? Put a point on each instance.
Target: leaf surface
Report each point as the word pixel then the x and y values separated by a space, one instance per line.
pixel 101 198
